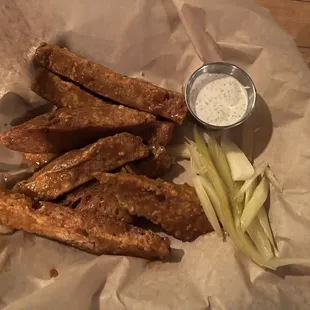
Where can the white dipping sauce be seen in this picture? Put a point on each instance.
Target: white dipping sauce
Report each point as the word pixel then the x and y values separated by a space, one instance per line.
pixel 221 100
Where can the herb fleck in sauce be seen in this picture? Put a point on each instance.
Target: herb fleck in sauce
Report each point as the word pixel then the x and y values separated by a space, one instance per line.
pixel 220 99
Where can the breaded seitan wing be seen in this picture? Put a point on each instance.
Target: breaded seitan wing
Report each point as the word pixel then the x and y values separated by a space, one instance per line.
pixel 176 208
pixel 76 167
pixel 131 92
pixel 39 160
pixel 153 166
pixel 65 94
pixel 66 129
pixel 62 93
pixel 94 196
pixel 88 231
pixel 160 133
pixel 157 163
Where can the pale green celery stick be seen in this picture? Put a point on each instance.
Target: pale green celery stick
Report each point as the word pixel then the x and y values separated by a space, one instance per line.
pixel 209 188
pixel 274 263
pixel 258 170
pixel 249 192
pixel 206 137
pixel 197 164
pixel 237 205
pixel 253 236
pixel 265 224
pixel 237 209
pixel 247 245
pixel 273 180
pixel 260 239
pixel 207 205
pixel 240 167
pixel 221 163
pixel 241 240
pixel 203 150
pixel 224 214
pixel 179 150
pixel 256 202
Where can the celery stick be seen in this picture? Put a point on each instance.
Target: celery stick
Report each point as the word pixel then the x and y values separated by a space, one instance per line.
pixel 179 150
pixel 257 232
pixel 251 209
pixel 213 195
pixel 240 167
pixel 206 137
pixel 245 244
pixel 264 222
pixel 209 188
pixel 258 170
pixel 249 192
pixel 273 180
pixel 202 149
pixel 220 161
pixel 224 214
pixel 274 263
pixel 213 169
pixel 240 239
pixel 207 205
pixel 260 239
pixel 197 164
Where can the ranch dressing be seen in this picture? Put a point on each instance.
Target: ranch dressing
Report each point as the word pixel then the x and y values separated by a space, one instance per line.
pixel 220 99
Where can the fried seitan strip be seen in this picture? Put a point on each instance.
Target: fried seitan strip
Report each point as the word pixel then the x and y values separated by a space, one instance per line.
pixel 39 160
pixel 153 166
pixel 157 163
pixel 131 92
pixel 160 133
pixel 88 231
pixel 94 196
pixel 176 208
pixel 163 133
pixel 76 167
pixel 64 94
pixel 66 129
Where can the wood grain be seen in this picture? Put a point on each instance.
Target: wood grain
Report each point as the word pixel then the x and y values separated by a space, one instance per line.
pixel 294 17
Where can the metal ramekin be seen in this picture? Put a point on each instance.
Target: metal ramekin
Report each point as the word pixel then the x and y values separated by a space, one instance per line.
pixel 228 69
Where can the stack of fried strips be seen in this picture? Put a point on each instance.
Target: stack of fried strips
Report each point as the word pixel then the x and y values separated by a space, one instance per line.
pixel 97 156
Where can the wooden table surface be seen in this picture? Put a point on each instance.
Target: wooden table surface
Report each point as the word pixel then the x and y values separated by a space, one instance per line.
pixel 294 16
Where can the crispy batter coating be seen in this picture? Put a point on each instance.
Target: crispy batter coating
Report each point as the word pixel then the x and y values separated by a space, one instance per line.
pixel 157 163
pixel 65 94
pixel 160 133
pixel 62 93
pixel 76 167
pixel 163 133
pixel 94 196
pixel 176 208
pixel 153 166
pixel 128 91
pixel 39 160
pixel 88 231
pixel 66 129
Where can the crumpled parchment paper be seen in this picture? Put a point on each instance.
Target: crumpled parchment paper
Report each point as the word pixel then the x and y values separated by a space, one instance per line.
pixel 164 41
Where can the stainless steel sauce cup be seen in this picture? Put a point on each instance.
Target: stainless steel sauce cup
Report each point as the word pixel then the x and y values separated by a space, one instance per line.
pixel 220 68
